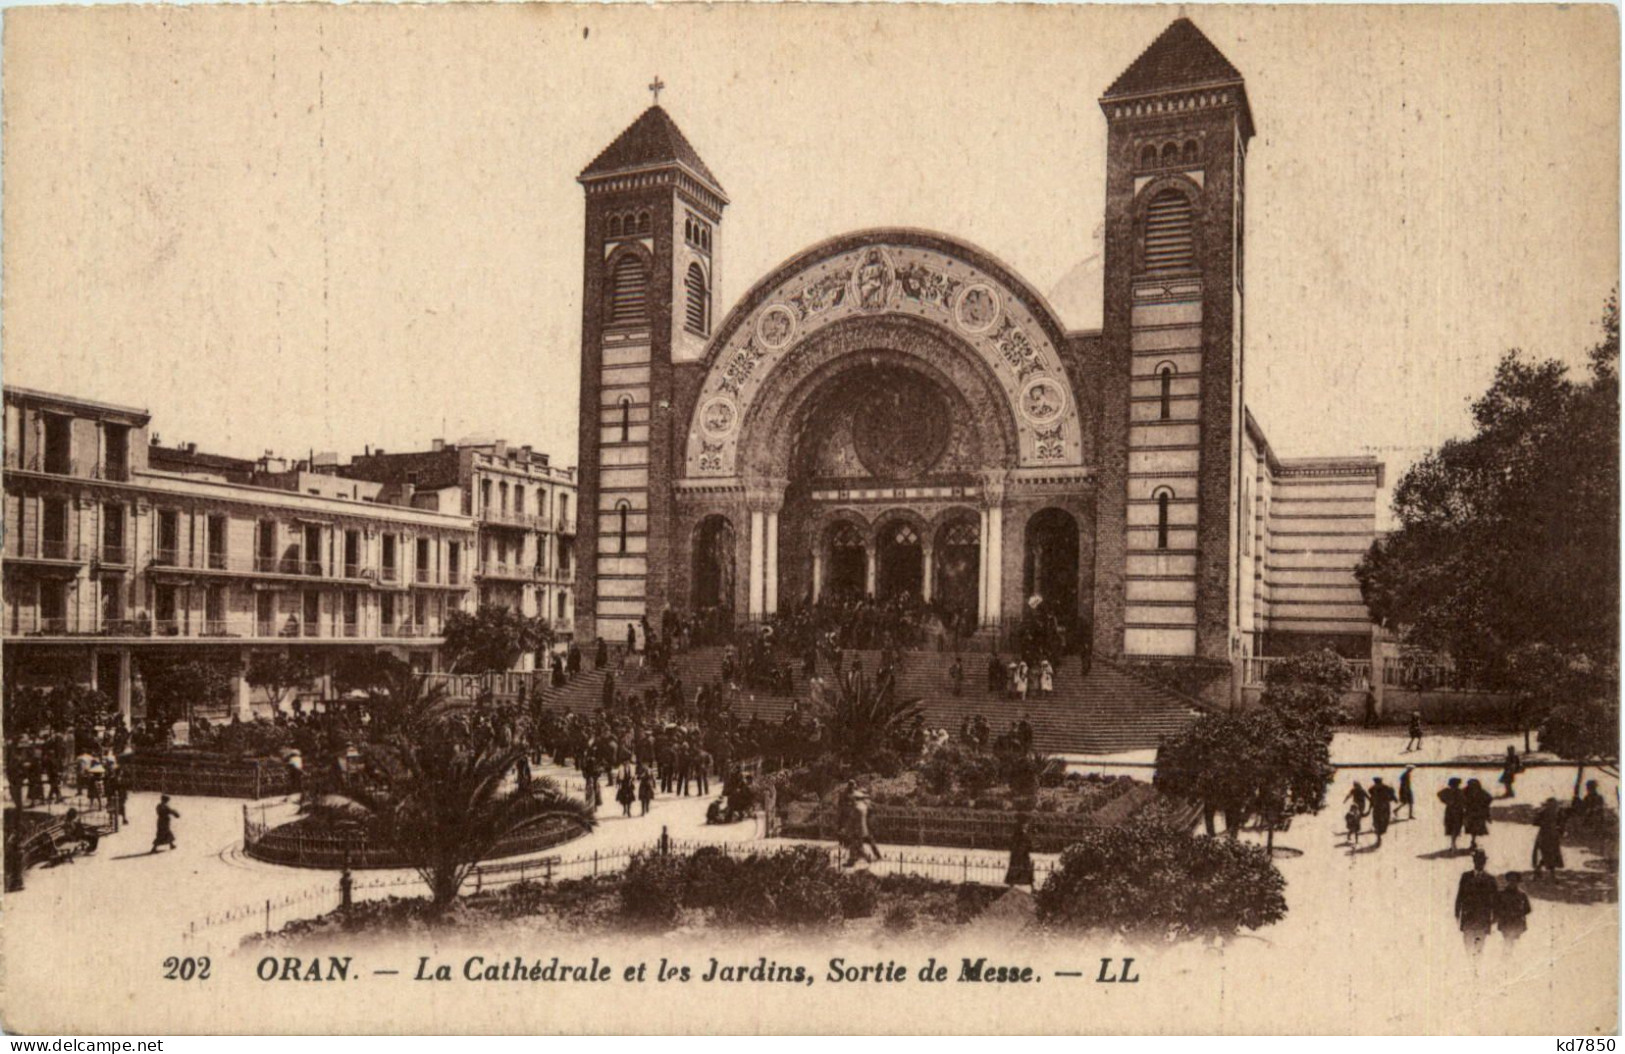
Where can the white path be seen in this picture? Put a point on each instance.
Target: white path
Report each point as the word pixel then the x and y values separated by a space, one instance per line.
pixel 1370 930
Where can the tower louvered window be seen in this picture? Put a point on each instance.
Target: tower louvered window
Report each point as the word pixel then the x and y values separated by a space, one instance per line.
pixel 628 292
pixel 699 299
pixel 1169 233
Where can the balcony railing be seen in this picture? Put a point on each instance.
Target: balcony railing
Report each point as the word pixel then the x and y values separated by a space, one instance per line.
pixel 515 519
pixel 115 554
pixel 56 466
pixel 166 557
pixel 27 623
pixel 567 525
pixel 389 574
pixel 216 561
pixel 42 549
pixel 116 473
pixel 285 565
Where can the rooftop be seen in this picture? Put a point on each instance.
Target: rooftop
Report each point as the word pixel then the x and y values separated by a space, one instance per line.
pixel 653 139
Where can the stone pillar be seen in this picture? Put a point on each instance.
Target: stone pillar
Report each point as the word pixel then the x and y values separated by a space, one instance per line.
pixel 981 569
pixel 757 528
pixel 993 545
pixel 925 575
pixel 124 693
pixel 817 571
pixel 245 700
pixel 869 576
pixel 772 574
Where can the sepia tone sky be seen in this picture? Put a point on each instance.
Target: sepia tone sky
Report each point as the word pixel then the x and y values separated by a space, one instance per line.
pixel 307 227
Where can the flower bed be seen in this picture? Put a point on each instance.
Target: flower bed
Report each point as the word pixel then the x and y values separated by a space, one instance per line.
pixel 317 841
pixel 189 772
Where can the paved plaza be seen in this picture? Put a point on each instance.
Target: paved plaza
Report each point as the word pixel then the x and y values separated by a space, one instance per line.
pixel 1377 922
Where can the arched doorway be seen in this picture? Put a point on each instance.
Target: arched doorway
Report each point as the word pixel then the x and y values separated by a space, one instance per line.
pixel 900 561
pixel 1050 568
pixel 713 581
pixel 848 572
pixel 956 558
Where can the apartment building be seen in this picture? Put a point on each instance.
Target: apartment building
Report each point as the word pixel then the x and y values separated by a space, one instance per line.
pixel 115 545
pixel 524 508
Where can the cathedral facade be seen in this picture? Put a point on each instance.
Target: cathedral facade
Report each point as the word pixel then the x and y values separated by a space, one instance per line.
pixel 895 412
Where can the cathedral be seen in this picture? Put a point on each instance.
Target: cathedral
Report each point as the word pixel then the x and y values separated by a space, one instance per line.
pixel 895 412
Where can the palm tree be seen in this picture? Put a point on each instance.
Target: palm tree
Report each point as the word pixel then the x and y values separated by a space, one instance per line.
pixel 867 719
pixel 444 798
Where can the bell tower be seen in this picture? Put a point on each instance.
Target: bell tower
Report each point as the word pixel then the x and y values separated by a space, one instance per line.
pixel 653 224
pixel 1178 125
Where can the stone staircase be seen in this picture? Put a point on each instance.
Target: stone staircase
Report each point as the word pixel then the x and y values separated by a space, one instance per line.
pixel 1109 711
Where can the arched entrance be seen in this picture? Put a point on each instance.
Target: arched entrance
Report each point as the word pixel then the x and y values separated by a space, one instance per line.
pixel 713 571
pixel 956 558
pixel 848 573
pixel 1050 568
pixel 900 560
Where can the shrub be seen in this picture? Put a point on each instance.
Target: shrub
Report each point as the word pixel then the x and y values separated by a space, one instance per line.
pixel 899 918
pixel 652 891
pixel 977 775
pixel 1157 880
pixel 709 877
pixel 938 771
pixel 860 895
pixel 884 763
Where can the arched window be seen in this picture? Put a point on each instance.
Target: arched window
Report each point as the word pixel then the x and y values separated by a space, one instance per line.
pixel 645 223
pixel 617 225
pixel 628 291
pixel 626 418
pixel 705 238
pixel 1164 496
pixel 1192 151
pixel 622 510
pixel 699 299
pixel 1165 373
pixel 1148 157
pixel 1169 232
pixel 1170 154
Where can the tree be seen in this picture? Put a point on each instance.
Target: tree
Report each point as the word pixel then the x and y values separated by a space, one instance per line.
pixel 1543 677
pixel 1161 882
pixel 1585 732
pixel 1308 686
pixel 444 795
pixel 65 706
pixel 1271 763
pixel 279 675
pixel 1511 536
pixel 176 685
pixel 370 672
pixel 867 720
pixel 492 639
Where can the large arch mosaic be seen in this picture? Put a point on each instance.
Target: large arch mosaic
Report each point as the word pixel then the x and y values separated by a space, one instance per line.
pixel 942 283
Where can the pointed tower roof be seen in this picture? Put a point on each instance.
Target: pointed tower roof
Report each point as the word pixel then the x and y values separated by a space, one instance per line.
pixel 651 141
pixel 1180 58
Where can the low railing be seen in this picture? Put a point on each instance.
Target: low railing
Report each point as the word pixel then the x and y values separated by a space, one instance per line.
pixel 389 574
pixel 115 554
pixel 515 519
pixel 1405 674
pixel 43 549
pixel 114 473
pixel 26 624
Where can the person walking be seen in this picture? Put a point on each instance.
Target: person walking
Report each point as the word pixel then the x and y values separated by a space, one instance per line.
pixel 1407 793
pixel 1455 809
pixel 1512 910
pixel 1046 677
pixel 1509 771
pixel 956 678
pixel 1550 820
pixel 1475 802
pixel 166 832
pixel 646 791
pixel 1358 796
pixel 995 674
pixel 1351 823
pixel 1414 742
pixel 1020 681
pixel 1020 871
pixel 1476 894
pixel 625 794
pixel 1382 807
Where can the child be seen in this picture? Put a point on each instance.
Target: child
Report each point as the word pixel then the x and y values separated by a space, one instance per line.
pixel 1512 910
pixel 1352 819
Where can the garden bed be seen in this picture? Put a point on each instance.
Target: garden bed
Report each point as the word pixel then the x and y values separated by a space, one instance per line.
pixel 320 842
pixel 205 774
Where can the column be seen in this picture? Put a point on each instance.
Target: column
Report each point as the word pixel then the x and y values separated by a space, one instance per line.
pixel 757 529
pixel 995 562
pixel 124 685
pixel 772 573
pixel 869 579
pixel 245 701
pixel 925 577
pixel 818 571
pixel 981 569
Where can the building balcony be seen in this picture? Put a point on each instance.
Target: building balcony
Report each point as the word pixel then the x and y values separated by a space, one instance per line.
pixel 507 518
pixel 566 525
pixel 506 572
pixel 389 575
pixel 115 555
pixel 30 625
pixel 424 577
pixel 48 463
pixel 114 473
pixel 47 550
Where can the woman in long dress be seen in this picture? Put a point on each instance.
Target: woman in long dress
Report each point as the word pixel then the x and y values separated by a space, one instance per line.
pixel 1475 802
pixel 1021 680
pixel 1020 871
pixel 1046 677
pixel 1455 811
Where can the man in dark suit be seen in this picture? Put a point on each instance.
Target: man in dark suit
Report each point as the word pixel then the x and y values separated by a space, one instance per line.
pixel 1475 904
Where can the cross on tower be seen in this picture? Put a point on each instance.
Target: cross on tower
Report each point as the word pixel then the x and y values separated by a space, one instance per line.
pixel 655 87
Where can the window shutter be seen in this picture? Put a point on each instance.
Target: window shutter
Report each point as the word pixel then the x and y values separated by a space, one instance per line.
pixel 1169 233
